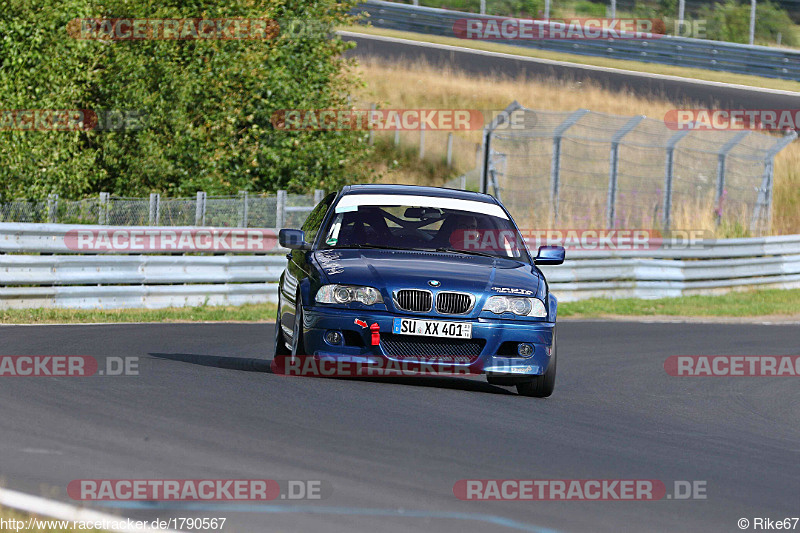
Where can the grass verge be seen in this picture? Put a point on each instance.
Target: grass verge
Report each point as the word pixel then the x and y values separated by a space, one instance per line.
pixel 652 68
pixel 771 302
pixel 39 524
pixel 243 313
pixel 768 302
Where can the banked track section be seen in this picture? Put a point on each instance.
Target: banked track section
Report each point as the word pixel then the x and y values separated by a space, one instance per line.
pixel 674 88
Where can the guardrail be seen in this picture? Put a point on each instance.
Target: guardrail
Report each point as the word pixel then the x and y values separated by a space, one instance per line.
pixel 69 279
pixel 666 50
pixel 52 238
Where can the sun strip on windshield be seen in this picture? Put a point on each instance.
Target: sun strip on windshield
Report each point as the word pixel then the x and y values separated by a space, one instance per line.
pixel 348 202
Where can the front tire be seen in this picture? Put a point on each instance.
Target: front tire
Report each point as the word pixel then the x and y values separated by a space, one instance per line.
pixel 541 386
pixel 280 340
pixel 298 345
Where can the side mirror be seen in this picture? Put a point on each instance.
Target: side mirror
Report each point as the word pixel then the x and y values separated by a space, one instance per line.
pixel 294 239
pixel 550 255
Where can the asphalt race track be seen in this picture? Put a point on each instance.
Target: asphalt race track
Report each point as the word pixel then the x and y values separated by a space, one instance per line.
pixel 679 90
pixel 205 405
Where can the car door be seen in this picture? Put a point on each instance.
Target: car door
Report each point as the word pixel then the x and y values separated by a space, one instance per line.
pixel 297 267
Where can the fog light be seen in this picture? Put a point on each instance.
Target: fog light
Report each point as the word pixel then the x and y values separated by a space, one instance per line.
pixel 333 337
pixel 525 350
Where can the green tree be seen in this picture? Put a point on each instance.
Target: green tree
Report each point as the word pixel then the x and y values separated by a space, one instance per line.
pixel 207 103
pixel 730 21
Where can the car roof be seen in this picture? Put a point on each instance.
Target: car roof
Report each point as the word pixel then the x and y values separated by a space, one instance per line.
pixel 440 192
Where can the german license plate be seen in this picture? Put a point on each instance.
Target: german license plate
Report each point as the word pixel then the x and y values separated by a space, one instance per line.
pixel 432 328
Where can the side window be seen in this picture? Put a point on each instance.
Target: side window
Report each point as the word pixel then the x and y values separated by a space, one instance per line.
pixel 315 218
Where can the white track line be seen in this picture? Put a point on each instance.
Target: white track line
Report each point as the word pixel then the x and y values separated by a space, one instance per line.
pixel 64 511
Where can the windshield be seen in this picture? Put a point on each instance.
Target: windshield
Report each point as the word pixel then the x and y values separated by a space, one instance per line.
pixel 416 223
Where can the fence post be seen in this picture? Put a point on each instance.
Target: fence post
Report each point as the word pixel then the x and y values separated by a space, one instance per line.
pixel 764 199
pixel 722 157
pixel 154 209
pixel 52 208
pixel 669 168
pixel 422 140
pixel 200 209
pixel 488 130
pixel 280 210
pixel 244 212
pixel 555 162
pixel 450 150
pixel 611 203
pixel 103 214
pixel 319 195
pixel 396 137
pixel 487 147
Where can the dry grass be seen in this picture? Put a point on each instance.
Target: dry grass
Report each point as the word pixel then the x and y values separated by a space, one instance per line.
pixel 40 525
pixel 418 85
pixel 786 207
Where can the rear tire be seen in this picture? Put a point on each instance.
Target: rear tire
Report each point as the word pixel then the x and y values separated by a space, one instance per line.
pixel 541 386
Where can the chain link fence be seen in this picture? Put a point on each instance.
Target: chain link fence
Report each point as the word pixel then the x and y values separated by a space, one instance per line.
pixel 554 169
pixel 245 210
pixel 593 170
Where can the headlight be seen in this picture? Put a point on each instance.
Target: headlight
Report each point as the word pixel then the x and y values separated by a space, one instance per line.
pixel 519 306
pixel 345 294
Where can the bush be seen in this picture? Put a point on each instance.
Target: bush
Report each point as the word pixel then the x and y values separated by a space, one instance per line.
pixel 730 21
pixel 590 9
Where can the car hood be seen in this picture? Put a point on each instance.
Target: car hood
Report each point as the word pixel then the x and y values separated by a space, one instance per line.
pixel 389 270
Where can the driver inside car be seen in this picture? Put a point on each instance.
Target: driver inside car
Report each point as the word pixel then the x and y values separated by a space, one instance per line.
pixel 459 231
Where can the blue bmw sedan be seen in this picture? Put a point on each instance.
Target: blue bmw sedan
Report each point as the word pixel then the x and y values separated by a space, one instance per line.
pixel 382 273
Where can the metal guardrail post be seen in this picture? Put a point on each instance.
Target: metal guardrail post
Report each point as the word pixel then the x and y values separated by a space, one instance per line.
pixel 555 162
pixel 200 209
pixel 280 210
pixel 611 204
pixel 154 215
pixel 102 215
pixel 764 199
pixel 722 156
pixel 319 195
pixel 450 149
pixel 244 211
pixel 52 208
pixel 668 173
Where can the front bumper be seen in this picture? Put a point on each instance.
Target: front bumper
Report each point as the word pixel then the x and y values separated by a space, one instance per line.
pixel 358 347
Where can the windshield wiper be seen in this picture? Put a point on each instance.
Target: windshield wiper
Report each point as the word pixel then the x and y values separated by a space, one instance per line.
pixel 470 252
pixel 382 247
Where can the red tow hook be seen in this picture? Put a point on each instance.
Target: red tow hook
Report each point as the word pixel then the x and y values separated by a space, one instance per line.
pixel 376 335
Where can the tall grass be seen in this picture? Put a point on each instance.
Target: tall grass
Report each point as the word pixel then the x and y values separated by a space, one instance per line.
pixel 420 85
